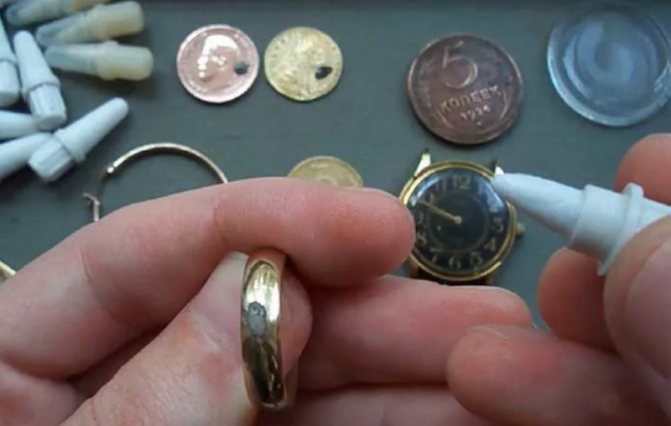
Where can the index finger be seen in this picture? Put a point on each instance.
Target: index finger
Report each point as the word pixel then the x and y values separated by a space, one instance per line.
pixel 571 294
pixel 133 271
pixel 648 164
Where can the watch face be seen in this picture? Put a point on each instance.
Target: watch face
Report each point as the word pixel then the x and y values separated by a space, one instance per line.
pixel 463 227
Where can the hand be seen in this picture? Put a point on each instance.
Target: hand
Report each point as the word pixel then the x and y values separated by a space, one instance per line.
pixel 607 358
pixel 440 212
pixel 120 324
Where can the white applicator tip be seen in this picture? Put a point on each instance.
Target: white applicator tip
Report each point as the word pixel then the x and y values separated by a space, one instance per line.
pixel 103 22
pixel 554 205
pixel 15 154
pixel 109 60
pixel 32 11
pixel 10 87
pixel 15 124
pixel 40 87
pixel 70 145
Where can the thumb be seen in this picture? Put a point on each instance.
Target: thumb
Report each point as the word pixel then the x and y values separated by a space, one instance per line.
pixel 192 373
pixel 638 308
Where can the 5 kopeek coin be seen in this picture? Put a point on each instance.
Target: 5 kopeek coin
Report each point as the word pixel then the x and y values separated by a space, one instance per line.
pixel 217 63
pixel 465 89
pixel 327 169
pixel 303 63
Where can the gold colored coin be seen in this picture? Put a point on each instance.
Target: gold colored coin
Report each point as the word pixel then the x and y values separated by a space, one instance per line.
pixel 303 63
pixel 327 169
pixel 5 272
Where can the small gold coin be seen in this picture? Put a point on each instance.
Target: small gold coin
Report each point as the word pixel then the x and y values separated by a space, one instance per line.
pixel 5 272
pixel 327 169
pixel 303 63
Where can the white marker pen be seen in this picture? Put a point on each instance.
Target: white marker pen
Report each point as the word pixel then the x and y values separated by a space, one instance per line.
pixel 594 221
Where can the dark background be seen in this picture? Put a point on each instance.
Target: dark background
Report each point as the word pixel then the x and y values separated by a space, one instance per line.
pixel 367 120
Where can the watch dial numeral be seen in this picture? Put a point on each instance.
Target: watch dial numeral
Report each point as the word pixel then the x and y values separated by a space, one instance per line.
pixel 455 262
pixel 420 217
pixel 436 249
pixel 492 245
pixel 483 190
pixel 498 226
pixel 476 259
pixel 461 182
pixel 443 185
pixel 421 239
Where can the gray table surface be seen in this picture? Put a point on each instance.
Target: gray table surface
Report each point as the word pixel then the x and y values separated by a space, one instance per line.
pixel 367 120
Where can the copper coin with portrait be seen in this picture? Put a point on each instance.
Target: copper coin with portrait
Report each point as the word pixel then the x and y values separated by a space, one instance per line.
pixel 465 89
pixel 217 63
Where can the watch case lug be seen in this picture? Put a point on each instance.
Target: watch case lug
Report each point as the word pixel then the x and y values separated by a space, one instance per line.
pixel 424 162
pixel 495 167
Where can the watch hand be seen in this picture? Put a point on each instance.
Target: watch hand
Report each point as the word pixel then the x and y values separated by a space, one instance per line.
pixel 456 219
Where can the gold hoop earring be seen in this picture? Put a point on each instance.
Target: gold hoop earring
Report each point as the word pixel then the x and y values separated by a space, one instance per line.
pixel 143 151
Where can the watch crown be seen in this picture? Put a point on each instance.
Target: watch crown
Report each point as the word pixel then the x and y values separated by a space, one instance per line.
pixel 520 229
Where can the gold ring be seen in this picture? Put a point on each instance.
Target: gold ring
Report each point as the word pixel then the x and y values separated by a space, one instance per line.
pixel 5 272
pixel 260 332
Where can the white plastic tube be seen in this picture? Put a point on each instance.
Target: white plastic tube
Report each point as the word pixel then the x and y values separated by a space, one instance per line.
pixel 71 145
pixel 103 22
pixel 15 124
pixel 32 11
pixel 15 154
pixel 109 60
pixel 10 88
pixel 40 87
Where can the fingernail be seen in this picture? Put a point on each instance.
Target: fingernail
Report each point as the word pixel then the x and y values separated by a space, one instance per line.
pixel 511 332
pixel 646 312
pixel 492 331
pixel 372 191
pixel 379 192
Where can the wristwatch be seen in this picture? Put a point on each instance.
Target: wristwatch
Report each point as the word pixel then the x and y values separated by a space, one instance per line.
pixel 464 229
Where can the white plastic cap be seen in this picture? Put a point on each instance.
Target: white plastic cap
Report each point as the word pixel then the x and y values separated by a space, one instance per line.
pixel 15 154
pixel 608 220
pixel 15 125
pixel 71 144
pixel 108 60
pixel 32 11
pixel 98 24
pixel 40 87
pixel 9 78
